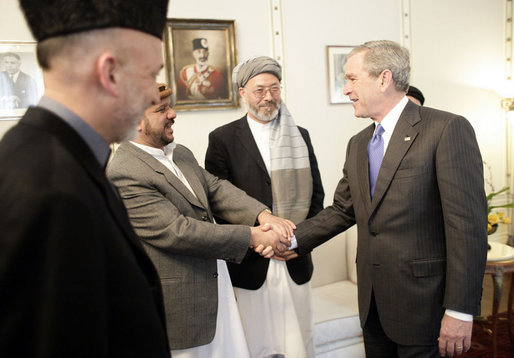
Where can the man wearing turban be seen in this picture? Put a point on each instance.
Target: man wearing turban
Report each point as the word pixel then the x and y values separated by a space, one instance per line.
pixel 270 158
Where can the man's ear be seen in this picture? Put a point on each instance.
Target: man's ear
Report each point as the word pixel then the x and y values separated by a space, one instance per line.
pixel 242 93
pixel 140 126
pixel 107 68
pixel 385 79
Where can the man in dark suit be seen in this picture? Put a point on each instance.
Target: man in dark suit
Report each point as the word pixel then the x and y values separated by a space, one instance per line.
pixel 420 211
pixel 22 88
pixel 249 153
pixel 171 201
pixel 74 278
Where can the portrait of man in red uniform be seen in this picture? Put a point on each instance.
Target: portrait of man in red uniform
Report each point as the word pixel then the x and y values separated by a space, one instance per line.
pixel 201 81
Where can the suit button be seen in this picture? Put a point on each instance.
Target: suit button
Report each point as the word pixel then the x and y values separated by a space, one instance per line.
pixel 205 218
pixel 215 275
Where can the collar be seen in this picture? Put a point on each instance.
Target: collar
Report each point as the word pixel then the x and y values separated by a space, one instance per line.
pixel 158 152
pixel 391 118
pixel 95 142
pixel 254 125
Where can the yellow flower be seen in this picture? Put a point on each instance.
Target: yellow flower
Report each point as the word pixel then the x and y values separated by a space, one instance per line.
pixel 506 220
pixel 492 218
pixel 500 215
pixel 489 227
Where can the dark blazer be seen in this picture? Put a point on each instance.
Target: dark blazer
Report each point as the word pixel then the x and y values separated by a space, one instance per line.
pixel 422 240
pixel 177 230
pixel 24 88
pixel 74 278
pixel 233 154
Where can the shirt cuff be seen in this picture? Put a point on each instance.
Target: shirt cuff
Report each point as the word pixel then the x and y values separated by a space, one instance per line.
pixel 459 315
pixel 294 244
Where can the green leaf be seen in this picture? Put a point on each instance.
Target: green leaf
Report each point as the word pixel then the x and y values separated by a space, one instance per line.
pixel 511 205
pixel 492 195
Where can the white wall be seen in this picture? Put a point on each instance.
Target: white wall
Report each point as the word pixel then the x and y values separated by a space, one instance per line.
pixel 457 61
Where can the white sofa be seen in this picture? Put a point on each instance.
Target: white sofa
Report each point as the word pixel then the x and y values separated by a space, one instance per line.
pixel 337 331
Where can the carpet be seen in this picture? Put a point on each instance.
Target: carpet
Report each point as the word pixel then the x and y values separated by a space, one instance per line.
pixel 482 341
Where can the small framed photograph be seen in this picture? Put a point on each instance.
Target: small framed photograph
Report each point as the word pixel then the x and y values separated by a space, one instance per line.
pixel 336 59
pixel 21 79
pixel 200 56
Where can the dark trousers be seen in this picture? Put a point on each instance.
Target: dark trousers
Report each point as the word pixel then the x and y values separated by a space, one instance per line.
pixel 378 345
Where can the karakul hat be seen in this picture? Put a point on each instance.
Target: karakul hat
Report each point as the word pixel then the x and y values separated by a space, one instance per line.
pixel 416 93
pixel 50 18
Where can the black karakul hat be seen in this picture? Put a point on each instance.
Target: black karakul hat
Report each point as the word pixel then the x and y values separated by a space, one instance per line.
pixel 50 18
pixel 416 93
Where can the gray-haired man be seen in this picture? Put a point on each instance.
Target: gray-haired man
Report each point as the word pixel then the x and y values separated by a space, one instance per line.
pixel 268 156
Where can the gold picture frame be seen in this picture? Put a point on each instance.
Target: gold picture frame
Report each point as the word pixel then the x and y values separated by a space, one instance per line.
pixel 200 56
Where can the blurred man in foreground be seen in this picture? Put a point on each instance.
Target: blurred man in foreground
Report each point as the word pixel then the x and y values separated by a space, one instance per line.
pixel 74 279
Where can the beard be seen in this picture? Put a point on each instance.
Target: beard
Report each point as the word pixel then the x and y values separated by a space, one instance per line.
pixel 155 136
pixel 266 116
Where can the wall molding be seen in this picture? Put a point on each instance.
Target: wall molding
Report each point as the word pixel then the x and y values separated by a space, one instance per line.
pixel 406 25
pixel 277 38
pixel 509 122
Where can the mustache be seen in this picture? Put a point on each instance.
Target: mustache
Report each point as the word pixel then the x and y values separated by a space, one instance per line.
pixel 269 103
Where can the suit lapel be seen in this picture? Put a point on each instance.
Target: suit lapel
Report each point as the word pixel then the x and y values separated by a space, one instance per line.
pixel 192 178
pixel 245 136
pixel 363 170
pixel 159 168
pixel 402 138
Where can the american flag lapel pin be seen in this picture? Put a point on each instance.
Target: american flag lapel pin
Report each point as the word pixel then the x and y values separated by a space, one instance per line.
pixel 406 139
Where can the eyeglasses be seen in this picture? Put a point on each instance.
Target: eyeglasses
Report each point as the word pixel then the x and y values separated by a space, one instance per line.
pixel 261 92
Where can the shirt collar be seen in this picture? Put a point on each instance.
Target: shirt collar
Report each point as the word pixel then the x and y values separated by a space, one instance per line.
pixel 95 142
pixel 158 152
pixel 391 118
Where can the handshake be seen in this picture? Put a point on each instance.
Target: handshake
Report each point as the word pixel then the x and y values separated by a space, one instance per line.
pixel 273 237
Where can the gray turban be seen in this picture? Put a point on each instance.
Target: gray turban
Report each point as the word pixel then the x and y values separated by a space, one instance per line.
pixel 254 66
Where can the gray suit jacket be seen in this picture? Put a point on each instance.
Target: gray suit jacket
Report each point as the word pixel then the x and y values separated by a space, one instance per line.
pixel 178 233
pixel 422 240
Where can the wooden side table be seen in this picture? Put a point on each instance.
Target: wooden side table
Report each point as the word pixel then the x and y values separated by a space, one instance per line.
pixel 497 269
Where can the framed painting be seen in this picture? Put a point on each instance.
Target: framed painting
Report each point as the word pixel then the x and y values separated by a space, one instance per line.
pixel 21 79
pixel 199 57
pixel 337 56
